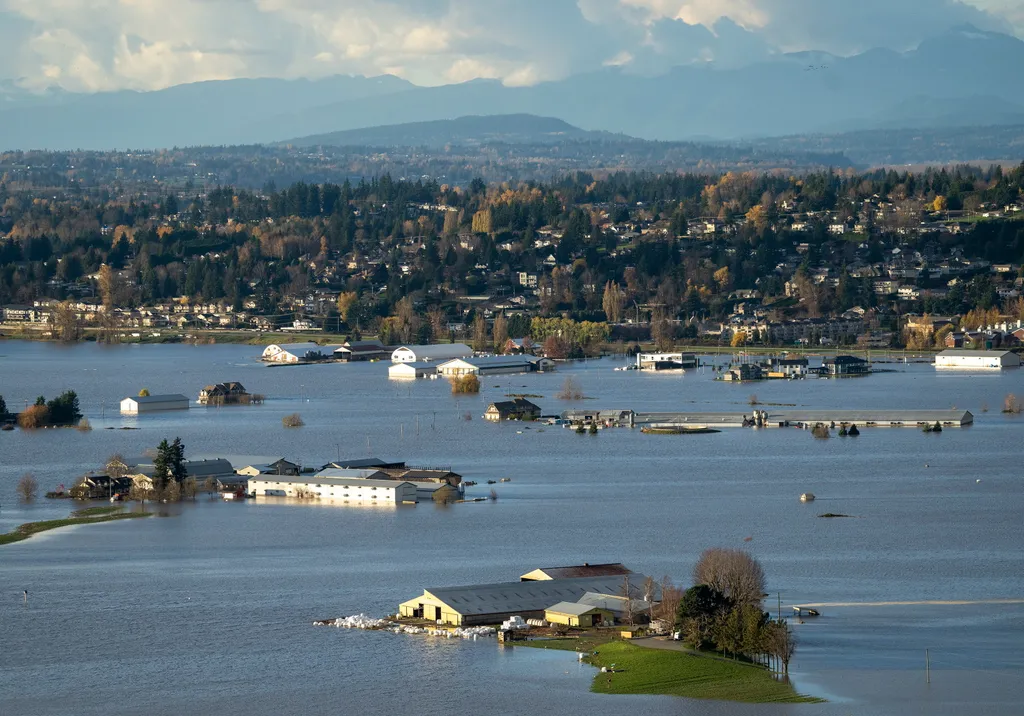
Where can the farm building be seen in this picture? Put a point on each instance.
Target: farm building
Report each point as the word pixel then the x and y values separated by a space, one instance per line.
pixel 493 365
pixel 493 603
pixel 666 361
pixel 436 353
pixel 518 409
pixel 574 614
pixel 977 359
pixel 339 489
pixel 295 353
pixel 355 351
pixel 153 404
pixel 410 371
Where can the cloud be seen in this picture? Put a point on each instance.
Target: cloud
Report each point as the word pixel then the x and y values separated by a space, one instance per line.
pixel 90 45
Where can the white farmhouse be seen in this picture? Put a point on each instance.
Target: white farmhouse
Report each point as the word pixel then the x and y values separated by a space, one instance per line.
pixel 153 404
pixel 977 359
pixel 439 352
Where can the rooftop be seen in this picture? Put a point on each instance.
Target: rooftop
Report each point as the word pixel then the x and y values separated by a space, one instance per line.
pixel 143 399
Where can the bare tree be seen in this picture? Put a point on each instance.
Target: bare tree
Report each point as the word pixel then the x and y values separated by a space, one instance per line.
pixel 732 572
pixel 571 390
pixel 668 607
pixel 139 493
pixel 781 643
pixel 210 485
pixel 27 487
pixel 628 615
pixel 189 488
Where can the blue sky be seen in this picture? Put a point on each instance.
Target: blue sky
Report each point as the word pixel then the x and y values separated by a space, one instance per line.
pixel 92 45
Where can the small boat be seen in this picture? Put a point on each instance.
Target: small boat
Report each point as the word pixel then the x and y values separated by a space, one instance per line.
pixel 807 497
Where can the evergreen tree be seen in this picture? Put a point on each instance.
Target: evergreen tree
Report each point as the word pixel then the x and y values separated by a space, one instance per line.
pixel 177 461
pixel 162 467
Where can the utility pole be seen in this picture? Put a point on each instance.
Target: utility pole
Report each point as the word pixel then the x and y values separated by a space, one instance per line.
pixel 927 667
pixel 780 606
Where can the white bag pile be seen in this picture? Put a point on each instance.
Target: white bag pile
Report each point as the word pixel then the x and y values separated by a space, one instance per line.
pixel 514 624
pixel 360 621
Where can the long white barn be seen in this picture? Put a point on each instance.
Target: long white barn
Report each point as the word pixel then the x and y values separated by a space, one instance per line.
pixel 338 489
pixel 153 404
pixel 977 359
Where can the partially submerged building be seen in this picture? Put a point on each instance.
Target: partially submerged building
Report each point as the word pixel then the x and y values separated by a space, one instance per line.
pixel 411 371
pixel 338 489
pixel 434 353
pixel 494 603
pixel 296 353
pixel 516 409
pixel 666 361
pixel 494 365
pixel 153 403
pixel 357 351
pixel 977 359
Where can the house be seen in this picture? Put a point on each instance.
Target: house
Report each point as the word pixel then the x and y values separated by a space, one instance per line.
pixel 153 404
pixel 744 372
pixel 407 371
pixel 440 352
pixel 294 353
pixel 277 467
pixel 494 365
pixel 338 489
pixel 977 359
pixel 223 394
pixel 354 351
pixel 845 365
pixel 517 409
pixel 574 614
pixel 16 313
pixel 615 569
pixel 494 603
pixel 788 368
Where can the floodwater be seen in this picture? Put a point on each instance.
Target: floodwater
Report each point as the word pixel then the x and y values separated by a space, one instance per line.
pixel 208 609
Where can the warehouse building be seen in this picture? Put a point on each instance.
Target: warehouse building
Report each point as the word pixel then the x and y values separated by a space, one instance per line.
pixel 411 371
pixel 494 603
pixel 977 359
pixel 574 614
pixel 153 404
pixel 338 489
pixel 493 365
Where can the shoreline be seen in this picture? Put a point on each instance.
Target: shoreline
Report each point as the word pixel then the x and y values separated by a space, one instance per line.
pixel 85 516
pixel 642 670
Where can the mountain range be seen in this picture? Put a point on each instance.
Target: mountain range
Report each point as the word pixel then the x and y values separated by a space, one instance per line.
pixel 964 76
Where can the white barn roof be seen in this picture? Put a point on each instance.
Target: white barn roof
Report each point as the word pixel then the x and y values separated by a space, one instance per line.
pixel 440 351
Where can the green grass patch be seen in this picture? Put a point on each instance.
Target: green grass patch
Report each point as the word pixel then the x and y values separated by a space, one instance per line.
pixel 90 516
pixel 657 672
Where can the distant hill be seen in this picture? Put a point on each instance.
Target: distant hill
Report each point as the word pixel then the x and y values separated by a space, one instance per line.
pixel 961 77
pixel 463 131
pixel 876 147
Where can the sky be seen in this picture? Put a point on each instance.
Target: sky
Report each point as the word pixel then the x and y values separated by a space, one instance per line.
pixel 99 45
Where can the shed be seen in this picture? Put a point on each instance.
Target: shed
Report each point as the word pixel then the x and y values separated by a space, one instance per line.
pixel 153 403
pixel 411 371
pixel 575 614
pixel 586 569
pixel 438 353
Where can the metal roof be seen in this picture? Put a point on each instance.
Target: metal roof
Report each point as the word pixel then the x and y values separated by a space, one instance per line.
pixel 298 348
pixel 966 353
pixel 494 361
pixel 349 473
pixel 440 351
pixel 170 397
pixel 511 597
pixel 584 570
pixel 573 609
pixel 329 481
